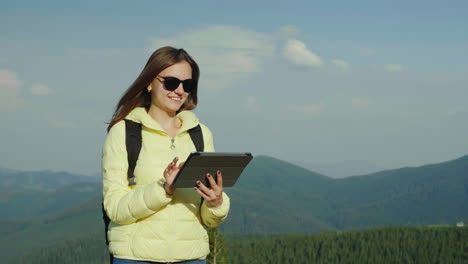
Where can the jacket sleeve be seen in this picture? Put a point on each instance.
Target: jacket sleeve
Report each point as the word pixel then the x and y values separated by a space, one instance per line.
pixel 213 216
pixel 125 205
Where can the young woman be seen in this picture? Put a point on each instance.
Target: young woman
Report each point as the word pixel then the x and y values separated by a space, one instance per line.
pixel 152 222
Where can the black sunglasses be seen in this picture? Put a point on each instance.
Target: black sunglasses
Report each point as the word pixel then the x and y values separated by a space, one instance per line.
pixel 171 83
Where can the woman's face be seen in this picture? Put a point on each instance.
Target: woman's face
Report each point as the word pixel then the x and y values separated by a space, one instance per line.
pixel 170 101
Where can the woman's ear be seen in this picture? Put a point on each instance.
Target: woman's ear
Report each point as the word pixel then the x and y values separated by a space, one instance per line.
pixel 149 88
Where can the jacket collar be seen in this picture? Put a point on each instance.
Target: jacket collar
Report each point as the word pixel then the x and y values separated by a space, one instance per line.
pixel 139 115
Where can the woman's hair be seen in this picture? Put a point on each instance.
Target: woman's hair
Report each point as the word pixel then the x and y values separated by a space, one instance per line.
pixel 137 94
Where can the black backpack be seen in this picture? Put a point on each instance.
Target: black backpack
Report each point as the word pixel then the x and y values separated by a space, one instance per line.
pixel 133 144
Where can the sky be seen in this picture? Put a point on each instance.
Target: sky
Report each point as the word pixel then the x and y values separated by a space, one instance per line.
pixel 383 83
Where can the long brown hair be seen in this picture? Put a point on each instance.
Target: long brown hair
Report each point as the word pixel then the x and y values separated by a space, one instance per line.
pixel 137 94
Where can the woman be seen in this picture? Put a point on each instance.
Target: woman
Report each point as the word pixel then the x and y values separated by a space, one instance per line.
pixel 152 222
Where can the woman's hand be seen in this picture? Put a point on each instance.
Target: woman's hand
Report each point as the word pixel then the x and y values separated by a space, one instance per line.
pixel 170 173
pixel 213 196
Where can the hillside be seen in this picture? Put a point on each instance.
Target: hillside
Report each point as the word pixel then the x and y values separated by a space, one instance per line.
pixel 12 180
pixel 382 245
pixel 31 203
pixel 21 236
pixel 272 196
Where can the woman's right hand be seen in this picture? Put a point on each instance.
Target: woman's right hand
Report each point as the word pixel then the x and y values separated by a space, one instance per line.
pixel 170 173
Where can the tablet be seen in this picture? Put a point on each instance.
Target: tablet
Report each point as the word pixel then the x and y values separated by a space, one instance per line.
pixel 198 164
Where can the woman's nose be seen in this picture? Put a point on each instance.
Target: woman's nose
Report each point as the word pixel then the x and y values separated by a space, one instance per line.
pixel 179 89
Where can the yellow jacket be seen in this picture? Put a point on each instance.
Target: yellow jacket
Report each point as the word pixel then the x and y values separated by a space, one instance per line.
pixel 147 224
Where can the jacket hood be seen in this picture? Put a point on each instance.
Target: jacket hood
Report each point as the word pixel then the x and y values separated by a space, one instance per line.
pixel 139 115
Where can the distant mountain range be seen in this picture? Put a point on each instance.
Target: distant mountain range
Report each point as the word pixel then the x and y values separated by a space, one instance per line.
pixel 340 169
pixel 272 196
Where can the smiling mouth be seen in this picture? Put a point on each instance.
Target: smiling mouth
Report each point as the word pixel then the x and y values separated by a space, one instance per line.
pixel 177 99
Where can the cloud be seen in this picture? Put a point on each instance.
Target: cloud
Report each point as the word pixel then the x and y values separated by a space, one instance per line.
pixel 393 68
pixel 296 52
pixel 251 104
pixel 10 85
pixel 341 64
pixel 226 54
pixel 307 110
pixel 288 31
pixel 360 102
pixel 40 89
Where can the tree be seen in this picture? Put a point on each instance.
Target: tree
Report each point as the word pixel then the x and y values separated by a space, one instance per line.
pixel 217 247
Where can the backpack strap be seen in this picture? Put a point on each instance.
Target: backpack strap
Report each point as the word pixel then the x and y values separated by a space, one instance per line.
pixel 133 144
pixel 197 138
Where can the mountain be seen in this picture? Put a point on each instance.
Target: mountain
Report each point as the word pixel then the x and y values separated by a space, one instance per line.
pixel 271 193
pixel 430 194
pixel 21 236
pixel 36 193
pixel 39 180
pixel 380 245
pixel 30 203
pixel 273 196
pixel 311 202
pixel 341 169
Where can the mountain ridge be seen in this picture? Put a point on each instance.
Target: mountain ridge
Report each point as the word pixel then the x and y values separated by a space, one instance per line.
pixel 273 196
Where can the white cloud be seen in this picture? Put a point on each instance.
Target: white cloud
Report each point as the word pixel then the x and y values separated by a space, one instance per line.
pixel 251 104
pixel 226 54
pixel 307 110
pixel 341 64
pixel 9 91
pixel 288 31
pixel 40 89
pixel 393 68
pixel 360 102
pixel 296 52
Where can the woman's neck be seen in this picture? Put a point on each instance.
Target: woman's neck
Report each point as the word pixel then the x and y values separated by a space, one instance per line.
pixel 167 120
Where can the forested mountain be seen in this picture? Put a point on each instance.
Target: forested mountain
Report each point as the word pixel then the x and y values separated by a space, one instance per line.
pixel 272 196
pixel 20 236
pixel 30 203
pixel 271 192
pixel 423 245
pixel 12 180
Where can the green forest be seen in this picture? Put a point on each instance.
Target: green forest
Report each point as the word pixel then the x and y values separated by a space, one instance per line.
pixel 430 244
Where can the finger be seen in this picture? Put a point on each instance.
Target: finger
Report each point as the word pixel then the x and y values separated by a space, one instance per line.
pixel 203 188
pixel 212 181
pixel 174 162
pixel 181 165
pixel 202 194
pixel 219 178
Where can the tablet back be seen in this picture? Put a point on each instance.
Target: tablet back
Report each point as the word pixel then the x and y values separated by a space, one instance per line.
pixel 199 164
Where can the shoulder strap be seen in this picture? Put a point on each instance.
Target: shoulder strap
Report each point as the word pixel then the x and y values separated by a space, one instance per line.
pixel 197 137
pixel 133 144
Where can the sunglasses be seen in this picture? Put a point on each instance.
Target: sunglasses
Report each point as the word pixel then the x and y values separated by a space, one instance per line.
pixel 171 83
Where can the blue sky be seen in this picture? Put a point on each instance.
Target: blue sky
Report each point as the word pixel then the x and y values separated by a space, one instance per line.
pixel 385 82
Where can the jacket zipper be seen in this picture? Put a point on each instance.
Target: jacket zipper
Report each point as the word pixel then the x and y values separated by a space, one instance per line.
pixel 171 210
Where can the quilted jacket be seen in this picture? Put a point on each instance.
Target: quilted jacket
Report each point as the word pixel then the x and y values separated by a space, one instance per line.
pixel 147 224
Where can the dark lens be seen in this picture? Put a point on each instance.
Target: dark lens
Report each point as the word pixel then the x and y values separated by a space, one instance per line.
pixel 171 83
pixel 188 85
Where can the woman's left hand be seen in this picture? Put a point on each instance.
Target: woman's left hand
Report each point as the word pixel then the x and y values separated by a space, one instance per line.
pixel 213 196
